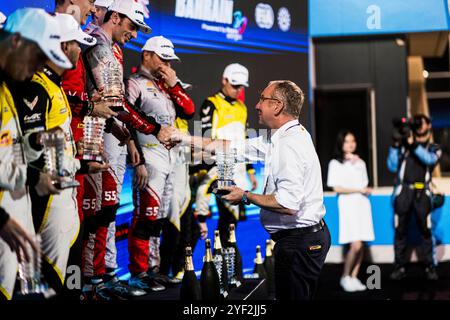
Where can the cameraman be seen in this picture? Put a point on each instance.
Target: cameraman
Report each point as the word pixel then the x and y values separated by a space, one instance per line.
pixel 413 158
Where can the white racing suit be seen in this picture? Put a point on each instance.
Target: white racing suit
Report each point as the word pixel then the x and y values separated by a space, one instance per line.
pixel 154 98
pixel 181 188
pixel 14 175
pixel 55 216
pixel 181 197
pixel 117 158
pixel 105 188
pixel 101 59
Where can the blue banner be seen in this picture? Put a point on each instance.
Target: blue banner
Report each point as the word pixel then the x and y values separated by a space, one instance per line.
pixel 250 26
pixel 329 18
pixel 205 26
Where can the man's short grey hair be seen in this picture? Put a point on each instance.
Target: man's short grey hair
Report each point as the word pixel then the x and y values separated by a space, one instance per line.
pixel 290 94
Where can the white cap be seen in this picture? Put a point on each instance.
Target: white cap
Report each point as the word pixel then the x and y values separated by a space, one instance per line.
pixel 134 11
pixel 70 30
pixel 236 74
pixel 163 47
pixel 103 3
pixel 2 19
pixel 38 26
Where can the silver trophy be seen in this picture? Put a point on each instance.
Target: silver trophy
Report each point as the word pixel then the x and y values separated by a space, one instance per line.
pixel 93 137
pixel 113 93
pixel 18 151
pixel 225 161
pixel 55 159
pixel 30 276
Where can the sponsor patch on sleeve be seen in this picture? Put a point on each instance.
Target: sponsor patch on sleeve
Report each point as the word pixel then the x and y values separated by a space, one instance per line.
pixel 5 138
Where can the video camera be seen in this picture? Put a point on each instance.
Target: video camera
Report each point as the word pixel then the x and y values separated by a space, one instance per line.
pixel 403 127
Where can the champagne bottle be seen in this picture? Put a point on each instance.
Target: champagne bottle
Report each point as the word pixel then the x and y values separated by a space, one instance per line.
pixel 221 265
pixel 209 279
pixel 259 268
pixel 236 278
pixel 270 266
pixel 190 287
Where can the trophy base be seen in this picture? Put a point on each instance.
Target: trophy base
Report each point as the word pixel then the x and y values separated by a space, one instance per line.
pixel 220 192
pixel 118 109
pixel 97 158
pixel 218 187
pixel 65 184
pixel 40 293
pixel 115 103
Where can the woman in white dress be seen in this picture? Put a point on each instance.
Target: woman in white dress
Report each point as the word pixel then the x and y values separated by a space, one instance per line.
pixel 347 175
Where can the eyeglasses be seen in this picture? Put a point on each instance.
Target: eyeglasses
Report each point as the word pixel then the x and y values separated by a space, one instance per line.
pixel 262 99
pixel 237 86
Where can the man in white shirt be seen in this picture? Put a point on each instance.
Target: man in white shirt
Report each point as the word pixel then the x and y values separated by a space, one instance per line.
pixel 292 202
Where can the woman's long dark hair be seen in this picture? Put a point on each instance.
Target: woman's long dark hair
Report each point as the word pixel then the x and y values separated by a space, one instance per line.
pixel 338 153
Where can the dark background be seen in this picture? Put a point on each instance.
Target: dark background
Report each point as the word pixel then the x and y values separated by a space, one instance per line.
pixel 204 70
pixel 205 73
pixel 378 63
pixel 333 107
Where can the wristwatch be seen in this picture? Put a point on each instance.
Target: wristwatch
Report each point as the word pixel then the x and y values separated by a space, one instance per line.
pixel 245 198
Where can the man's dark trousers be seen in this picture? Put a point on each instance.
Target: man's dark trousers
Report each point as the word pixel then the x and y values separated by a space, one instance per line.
pixel 298 262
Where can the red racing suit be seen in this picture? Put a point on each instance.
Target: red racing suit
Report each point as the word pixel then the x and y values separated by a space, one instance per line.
pixel 101 58
pixel 74 86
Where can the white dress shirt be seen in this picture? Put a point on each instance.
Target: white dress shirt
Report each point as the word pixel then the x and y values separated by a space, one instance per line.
pixel 292 174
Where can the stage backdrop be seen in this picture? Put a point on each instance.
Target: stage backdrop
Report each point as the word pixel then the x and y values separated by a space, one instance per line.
pixel 270 38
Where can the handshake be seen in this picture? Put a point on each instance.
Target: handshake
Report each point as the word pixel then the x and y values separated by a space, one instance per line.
pixel 170 136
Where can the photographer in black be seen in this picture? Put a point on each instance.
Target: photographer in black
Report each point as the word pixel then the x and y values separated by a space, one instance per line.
pixel 413 158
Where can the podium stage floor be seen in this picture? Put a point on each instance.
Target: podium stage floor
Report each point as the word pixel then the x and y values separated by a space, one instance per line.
pixel 414 287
